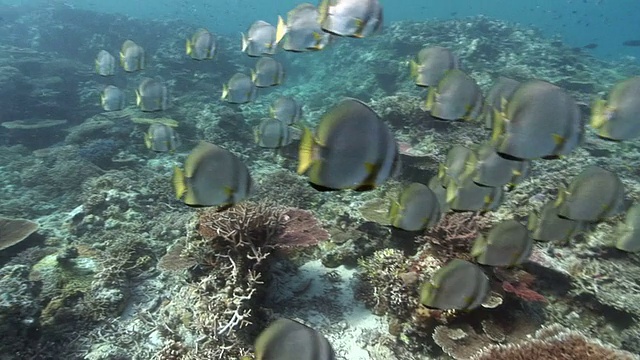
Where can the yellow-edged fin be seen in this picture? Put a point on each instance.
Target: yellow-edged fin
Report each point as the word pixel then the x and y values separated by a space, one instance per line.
pixel 97 66
pixel 598 118
pixel 147 140
pixel 281 29
pixel 229 191
pixel 245 42
pixel 272 112
pixel 562 195
pixel 558 139
pixel 532 221
pixel 138 98
pixel 359 27
pixel 503 103
pixel 305 151
pixel 452 192
pixel 323 11
pixel 479 246
pixel 442 172
pixel 431 97
pixel 394 210
pixel 122 59
pixel 179 182
pixel 413 68
pixel 254 76
pixel 498 125
pixel 189 48
pixel 225 91
pixel 102 100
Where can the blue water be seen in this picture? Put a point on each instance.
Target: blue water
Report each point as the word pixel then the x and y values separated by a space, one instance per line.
pixel 607 23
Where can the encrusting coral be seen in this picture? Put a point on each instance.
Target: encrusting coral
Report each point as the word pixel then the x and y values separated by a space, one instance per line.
pixel 13 231
pixel 551 343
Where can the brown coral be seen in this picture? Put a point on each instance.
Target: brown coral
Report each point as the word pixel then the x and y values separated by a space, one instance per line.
pixel 13 231
pixel 551 343
pixel 453 236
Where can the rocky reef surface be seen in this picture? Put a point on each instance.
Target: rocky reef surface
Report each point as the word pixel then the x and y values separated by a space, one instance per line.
pixel 119 269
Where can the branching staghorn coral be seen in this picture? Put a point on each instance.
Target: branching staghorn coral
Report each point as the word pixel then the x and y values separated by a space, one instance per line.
pixel 225 253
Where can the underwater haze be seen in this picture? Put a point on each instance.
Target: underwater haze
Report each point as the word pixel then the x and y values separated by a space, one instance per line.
pixel 327 180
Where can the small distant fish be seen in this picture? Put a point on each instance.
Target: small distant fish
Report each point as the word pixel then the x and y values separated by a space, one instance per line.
pixel 239 90
pixel 352 149
pixel 628 232
pixel 132 56
pixel 416 208
pixel 431 65
pixel 212 176
pixel 260 39
pixel 112 98
pixel 161 138
pixel 631 43
pixel 508 243
pixel 105 63
pixel 202 45
pixel 590 46
pixel 355 18
pixel 593 195
pixel 457 96
pixel 540 120
pixel 497 99
pixel 618 117
pixel 268 72
pixel 273 134
pixel 152 95
pixel 286 109
pixel 302 31
pixel 286 339
pixel 458 285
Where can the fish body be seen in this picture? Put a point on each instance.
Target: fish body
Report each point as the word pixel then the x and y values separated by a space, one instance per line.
pixel 593 195
pixel 497 98
pixel 628 234
pixel 547 225
pixel 459 165
pixel 459 285
pixel 416 208
pixel 239 89
pixel 212 176
pixel 431 65
pixel 260 39
pixel 494 170
pixel 457 96
pixel 112 98
pixel 352 149
pixel 132 56
pixel 618 117
pixel 152 95
pixel 105 63
pixel 355 18
pixel 539 121
pixel 286 339
pixel 508 243
pixel 286 109
pixel 202 45
pixel 272 133
pixel 161 138
pixel 268 72
pixel 302 32
pixel 469 196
